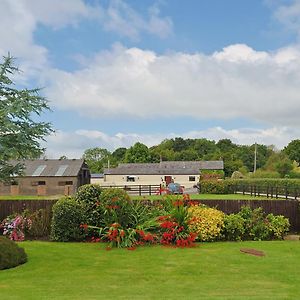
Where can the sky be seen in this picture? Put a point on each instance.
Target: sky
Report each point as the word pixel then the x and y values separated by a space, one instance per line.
pixel 116 72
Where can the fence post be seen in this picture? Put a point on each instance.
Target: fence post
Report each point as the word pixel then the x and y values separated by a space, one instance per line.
pixel 276 191
pixel 271 191
pixel 160 189
pixel 267 191
pixel 140 190
pixel 243 189
pixel 150 190
pixel 286 192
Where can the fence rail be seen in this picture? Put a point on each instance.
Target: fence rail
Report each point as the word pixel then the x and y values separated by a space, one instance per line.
pixel 268 191
pixel 149 189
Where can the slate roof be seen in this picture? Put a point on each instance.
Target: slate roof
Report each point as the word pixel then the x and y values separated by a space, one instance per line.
pixel 51 167
pixel 165 168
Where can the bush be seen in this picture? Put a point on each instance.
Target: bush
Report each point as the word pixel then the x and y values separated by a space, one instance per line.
pixel 88 194
pixel 15 226
pixel 234 227
pixel 67 217
pixel 206 222
pixel 277 225
pixel 11 255
pixel 216 187
pixel 117 208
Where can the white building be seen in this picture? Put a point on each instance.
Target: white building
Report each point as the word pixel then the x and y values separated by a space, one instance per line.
pixel 186 173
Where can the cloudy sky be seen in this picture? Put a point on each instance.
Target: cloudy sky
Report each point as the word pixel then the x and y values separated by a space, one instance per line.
pixel 120 71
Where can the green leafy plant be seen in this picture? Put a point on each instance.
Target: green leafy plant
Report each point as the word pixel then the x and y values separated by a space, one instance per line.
pixel 206 222
pixel 234 227
pixel 11 255
pixel 277 225
pixel 68 214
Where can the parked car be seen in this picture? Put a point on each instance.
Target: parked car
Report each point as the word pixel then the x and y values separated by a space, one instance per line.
pixel 175 188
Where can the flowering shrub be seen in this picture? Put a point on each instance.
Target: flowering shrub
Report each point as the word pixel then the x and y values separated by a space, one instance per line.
pixel 14 227
pixel 206 222
pixel 123 237
pixel 174 227
pixel 173 233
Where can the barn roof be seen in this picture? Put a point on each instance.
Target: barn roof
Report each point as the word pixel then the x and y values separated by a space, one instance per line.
pixel 51 167
pixel 165 168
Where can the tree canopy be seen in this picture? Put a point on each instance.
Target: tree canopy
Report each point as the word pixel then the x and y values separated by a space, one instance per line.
pixel 20 133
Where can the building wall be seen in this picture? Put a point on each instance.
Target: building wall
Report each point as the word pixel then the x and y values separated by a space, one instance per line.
pixel 99 181
pixel 34 186
pixel 149 179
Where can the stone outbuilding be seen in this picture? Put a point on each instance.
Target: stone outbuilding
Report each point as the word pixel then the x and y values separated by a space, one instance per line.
pixel 48 177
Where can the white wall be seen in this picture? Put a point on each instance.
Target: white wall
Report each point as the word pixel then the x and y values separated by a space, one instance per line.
pixel 149 179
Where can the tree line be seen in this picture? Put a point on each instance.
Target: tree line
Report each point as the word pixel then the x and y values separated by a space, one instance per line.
pixel 238 159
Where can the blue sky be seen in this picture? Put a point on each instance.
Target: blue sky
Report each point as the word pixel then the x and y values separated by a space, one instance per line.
pixel 120 71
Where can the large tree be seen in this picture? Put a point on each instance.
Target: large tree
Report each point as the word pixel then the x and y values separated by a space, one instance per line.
pixel 138 153
pixel 20 132
pixel 293 150
pixel 97 158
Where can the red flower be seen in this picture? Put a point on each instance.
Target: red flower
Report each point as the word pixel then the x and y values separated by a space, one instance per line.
pixel 84 226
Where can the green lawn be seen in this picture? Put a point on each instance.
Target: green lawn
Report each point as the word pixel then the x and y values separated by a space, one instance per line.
pixel 209 271
pixel 206 197
pixel 20 197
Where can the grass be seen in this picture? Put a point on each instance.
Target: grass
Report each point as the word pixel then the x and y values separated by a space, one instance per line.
pixel 207 197
pixel 20 197
pixel 209 271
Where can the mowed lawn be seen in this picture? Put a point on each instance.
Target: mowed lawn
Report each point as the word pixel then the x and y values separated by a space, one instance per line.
pixel 209 271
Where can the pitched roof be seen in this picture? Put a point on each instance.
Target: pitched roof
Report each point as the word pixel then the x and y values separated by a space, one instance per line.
pixel 51 167
pixel 165 168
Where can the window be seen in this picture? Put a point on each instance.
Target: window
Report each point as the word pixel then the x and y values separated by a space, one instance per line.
pixel 63 183
pixel 36 183
pixel 130 178
pixel 192 178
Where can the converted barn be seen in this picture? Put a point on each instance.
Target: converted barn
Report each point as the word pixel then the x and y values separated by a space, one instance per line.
pixel 186 173
pixel 48 177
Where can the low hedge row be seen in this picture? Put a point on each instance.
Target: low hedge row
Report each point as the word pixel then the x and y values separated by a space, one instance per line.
pixel 229 185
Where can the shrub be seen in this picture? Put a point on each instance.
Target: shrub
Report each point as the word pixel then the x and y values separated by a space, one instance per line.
pixel 88 194
pixel 206 222
pixel 174 227
pixel 14 226
pixel 258 226
pixel 67 217
pixel 11 255
pixel 277 225
pixel 216 187
pixel 234 227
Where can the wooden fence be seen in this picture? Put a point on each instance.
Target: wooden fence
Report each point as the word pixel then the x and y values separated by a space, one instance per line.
pixel 288 208
pixel 268 191
pixel 8 207
pixel 145 189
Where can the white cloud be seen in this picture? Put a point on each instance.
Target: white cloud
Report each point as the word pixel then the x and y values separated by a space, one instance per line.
pixel 121 18
pixel 19 21
pixel 289 15
pixel 73 144
pixel 237 82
